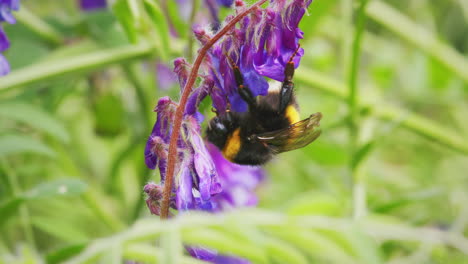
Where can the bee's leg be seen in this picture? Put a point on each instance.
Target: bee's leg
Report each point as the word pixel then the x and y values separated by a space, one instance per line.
pixel 287 88
pixel 243 90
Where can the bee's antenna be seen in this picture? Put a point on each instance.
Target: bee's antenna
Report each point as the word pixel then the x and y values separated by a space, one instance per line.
pixel 294 54
pixel 228 104
pixel 231 61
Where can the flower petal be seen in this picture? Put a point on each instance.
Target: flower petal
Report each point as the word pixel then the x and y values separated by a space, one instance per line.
pixel 89 5
pixel 4 66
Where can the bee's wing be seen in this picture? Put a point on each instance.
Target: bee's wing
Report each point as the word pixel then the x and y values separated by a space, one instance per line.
pixel 295 136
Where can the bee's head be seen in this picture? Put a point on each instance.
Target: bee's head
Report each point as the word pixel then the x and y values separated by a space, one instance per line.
pixel 219 129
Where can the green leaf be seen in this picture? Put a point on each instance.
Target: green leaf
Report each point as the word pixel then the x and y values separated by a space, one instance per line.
pixel 60 229
pixel 64 67
pixel 34 117
pixel 64 253
pixel 60 187
pixel 362 153
pixel 284 252
pixel 14 144
pixel 159 21
pixel 225 244
pixel 145 253
pixel 174 13
pixel 9 208
pixel 315 203
pixel 172 246
pixel 56 188
pixel 125 15
pixel 363 246
pixel 314 244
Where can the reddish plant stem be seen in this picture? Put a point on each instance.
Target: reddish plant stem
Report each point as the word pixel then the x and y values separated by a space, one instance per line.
pixel 172 157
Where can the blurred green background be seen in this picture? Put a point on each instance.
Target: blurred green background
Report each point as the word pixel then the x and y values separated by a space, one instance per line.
pixel 387 181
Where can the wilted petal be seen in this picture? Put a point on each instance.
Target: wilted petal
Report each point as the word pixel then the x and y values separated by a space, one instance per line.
pixel 182 70
pixel 157 144
pixel 208 184
pixel 155 193
pixel 185 200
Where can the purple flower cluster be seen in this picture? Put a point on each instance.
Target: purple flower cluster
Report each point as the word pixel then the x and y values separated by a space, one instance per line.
pixel 6 6
pixel 204 180
pixel 261 47
pixel 90 5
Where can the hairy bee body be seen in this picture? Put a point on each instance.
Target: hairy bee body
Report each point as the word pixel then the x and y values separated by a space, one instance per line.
pixel 238 144
pixel 270 126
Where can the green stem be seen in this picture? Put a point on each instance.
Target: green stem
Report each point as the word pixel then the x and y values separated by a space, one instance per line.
pixel 47 70
pixel 23 210
pixel 413 122
pixel 144 105
pixel 419 37
pixel 190 38
pixel 344 24
pixel 354 70
pixel 38 26
pixel 145 110
pixel 359 191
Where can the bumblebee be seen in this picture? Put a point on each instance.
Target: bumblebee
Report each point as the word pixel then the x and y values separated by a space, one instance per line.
pixel 270 126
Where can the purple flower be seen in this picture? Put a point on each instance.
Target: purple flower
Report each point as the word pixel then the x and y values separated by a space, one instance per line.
pixel 4 42
pixel 260 45
pixel 4 66
pixel 165 77
pixel 90 5
pixel 213 256
pixel 6 6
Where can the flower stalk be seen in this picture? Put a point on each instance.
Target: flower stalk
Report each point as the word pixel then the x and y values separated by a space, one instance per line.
pixel 172 157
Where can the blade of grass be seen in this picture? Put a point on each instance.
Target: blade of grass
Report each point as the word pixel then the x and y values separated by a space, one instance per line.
pixel 359 188
pixel 38 26
pixel 206 229
pixel 408 30
pixel 147 254
pixel 413 122
pixel 44 71
pixel 25 220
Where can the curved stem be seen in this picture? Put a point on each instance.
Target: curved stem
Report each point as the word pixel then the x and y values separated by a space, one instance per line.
pixel 183 101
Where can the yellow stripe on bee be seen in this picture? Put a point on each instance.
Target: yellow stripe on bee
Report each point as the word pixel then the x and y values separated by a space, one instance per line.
pixel 292 114
pixel 232 146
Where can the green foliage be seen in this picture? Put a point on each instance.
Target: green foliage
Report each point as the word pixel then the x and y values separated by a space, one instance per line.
pixel 385 183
